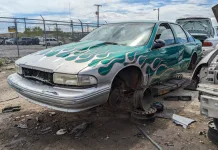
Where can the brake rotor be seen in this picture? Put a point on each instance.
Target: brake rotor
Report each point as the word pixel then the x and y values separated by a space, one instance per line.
pixel 142 99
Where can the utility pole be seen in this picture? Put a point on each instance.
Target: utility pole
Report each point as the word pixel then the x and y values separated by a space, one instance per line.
pixel 97 13
pixel 158 9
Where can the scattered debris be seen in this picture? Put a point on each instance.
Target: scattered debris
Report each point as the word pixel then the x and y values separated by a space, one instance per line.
pixel 178 98
pixel 46 130
pixel 159 106
pixel 61 132
pixel 169 144
pixel 203 133
pixel 22 126
pixel 39 119
pixel 11 109
pixel 149 138
pixel 52 114
pixel 78 130
pixel 10 99
pixel 107 137
pixel 16 135
pixel 17 118
pixel 139 135
pixel 182 120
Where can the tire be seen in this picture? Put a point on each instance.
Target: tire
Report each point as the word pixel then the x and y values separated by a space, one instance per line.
pixel 215 121
pixel 212 132
pixel 193 62
pixel 48 44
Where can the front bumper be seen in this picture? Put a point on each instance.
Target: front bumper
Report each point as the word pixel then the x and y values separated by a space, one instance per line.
pixel 208 99
pixel 63 99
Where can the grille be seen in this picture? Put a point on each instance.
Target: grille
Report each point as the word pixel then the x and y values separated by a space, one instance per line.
pixel 46 77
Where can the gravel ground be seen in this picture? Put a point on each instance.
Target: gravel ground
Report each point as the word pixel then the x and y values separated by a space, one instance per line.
pixel 108 129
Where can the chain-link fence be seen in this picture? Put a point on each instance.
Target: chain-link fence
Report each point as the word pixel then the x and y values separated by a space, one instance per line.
pixel 22 36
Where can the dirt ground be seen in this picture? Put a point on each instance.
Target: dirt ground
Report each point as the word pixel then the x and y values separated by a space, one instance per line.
pixel 107 129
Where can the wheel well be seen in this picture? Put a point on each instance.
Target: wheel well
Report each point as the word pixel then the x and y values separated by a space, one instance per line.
pixel 129 78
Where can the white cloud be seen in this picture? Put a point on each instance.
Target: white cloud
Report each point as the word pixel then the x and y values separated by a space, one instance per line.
pixel 112 10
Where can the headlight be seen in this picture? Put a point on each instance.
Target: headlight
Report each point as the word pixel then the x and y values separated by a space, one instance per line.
pixel 18 69
pixel 78 80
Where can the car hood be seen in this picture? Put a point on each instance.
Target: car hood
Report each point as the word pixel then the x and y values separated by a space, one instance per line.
pixel 74 57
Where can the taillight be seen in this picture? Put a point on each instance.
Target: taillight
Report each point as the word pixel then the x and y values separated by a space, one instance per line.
pixel 207 44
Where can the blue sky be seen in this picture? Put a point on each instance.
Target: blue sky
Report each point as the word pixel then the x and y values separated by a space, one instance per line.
pixel 112 10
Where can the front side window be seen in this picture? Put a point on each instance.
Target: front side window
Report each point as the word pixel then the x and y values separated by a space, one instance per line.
pixel 165 33
pixel 180 34
pixel 128 34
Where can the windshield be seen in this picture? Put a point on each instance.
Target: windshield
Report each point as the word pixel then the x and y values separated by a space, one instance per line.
pixel 129 34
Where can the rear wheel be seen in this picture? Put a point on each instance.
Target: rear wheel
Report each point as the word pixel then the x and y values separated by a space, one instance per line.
pixel 193 62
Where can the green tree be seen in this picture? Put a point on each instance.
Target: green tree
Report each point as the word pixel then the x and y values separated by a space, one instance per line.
pixel 27 32
pixel 37 31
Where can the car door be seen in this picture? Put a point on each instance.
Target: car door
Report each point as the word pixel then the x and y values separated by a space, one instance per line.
pixel 186 46
pixel 163 60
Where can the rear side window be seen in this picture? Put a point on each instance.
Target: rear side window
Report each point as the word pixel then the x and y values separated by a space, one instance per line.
pixel 190 38
pixel 180 34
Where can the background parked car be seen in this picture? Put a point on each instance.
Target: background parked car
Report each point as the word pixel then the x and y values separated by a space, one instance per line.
pixel 11 41
pixel 35 41
pixel 50 42
pixel 201 29
pixel 25 41
pixel 2 40
pixel 211 44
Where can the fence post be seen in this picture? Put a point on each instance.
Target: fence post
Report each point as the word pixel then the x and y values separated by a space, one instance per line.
pixel 44 32
pixel 57 30
pixel 72 28
pixel 15 24
pixel 24 23
pixel 81 26
pixel 87 28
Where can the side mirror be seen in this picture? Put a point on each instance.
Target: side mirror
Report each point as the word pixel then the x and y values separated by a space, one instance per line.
pixel 158 44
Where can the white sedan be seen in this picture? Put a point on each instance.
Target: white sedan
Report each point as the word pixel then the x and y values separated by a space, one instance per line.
pixel 210 44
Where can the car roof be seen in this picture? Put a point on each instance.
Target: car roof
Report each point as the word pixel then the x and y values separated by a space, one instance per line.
pixel 143 21
pixel 192 18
